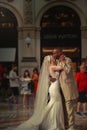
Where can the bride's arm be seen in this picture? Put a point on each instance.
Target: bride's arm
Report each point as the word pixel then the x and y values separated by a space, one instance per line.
pixel 56 68
pixel 52 70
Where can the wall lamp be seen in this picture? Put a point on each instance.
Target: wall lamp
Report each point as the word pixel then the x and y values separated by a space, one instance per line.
pixel 28 40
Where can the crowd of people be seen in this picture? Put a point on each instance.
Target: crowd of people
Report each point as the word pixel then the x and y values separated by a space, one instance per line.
pixel 58 93
pixel 13 85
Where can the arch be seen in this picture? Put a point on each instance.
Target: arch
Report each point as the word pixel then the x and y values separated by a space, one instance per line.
pixel 62 16
pixel 67 21
pixel 71 5
pixel 14 11
pixel 9 17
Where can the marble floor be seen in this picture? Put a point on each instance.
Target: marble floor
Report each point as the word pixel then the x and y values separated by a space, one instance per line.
pixel 10 117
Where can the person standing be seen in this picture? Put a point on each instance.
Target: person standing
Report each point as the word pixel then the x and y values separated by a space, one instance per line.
pixel 68 89
pixel 81 78
pixel 14 84
pixel 35 77
pixel 26 92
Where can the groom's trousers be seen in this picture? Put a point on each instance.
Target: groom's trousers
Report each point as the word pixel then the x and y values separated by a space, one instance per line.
pixel 69 112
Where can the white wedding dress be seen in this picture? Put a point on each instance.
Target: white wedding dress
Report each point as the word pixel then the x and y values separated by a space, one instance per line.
pixel 52 117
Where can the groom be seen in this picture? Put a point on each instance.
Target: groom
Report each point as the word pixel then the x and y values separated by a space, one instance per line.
pixel 68 88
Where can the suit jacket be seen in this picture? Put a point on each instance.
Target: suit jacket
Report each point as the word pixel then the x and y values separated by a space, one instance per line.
pixel 67 80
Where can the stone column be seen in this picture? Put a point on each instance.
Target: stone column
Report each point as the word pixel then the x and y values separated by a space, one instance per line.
pixel 84 41
pixel 29 57
pixel 20 46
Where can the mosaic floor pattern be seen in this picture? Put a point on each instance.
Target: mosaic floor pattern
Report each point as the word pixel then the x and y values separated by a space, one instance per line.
pixel 10 118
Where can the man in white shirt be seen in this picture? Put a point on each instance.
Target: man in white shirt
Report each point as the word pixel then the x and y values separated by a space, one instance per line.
pixel 14 83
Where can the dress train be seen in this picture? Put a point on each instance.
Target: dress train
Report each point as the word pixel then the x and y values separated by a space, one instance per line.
pixel 52 117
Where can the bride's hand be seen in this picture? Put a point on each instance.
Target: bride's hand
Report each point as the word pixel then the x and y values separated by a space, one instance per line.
pixel 52 79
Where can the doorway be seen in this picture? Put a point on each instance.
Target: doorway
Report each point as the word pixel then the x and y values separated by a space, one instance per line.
pixel 8 37
pixel 60 27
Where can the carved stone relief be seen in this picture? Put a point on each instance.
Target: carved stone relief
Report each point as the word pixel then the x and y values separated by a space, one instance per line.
pixel 27 11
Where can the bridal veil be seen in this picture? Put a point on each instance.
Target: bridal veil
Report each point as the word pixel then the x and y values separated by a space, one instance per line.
pixel 41 98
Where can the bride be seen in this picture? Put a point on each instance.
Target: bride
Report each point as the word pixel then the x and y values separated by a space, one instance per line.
pixel 47 115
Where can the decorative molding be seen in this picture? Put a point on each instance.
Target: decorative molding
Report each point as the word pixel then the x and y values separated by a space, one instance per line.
pixel 84 28
pixel 28 12
pixel 29 59
pixel 10 0
pixel 54 0
pixel 84 33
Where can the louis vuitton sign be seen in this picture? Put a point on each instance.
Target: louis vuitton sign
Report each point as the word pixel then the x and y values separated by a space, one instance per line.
pixel 60 36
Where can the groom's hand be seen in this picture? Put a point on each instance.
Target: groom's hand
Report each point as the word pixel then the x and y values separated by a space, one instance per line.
pixel 62 58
